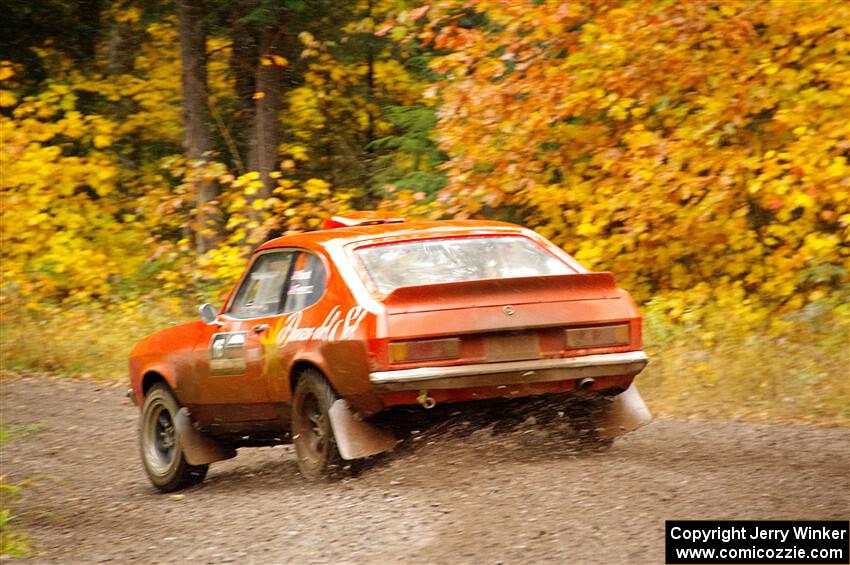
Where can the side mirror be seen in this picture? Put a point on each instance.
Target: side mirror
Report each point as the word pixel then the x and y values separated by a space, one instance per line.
pixel 209 315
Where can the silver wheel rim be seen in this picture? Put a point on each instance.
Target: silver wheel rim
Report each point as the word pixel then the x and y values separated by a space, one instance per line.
pixel 311 430
pixel 160 437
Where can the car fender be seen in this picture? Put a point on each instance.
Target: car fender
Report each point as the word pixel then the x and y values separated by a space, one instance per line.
pixel 169 353
pixel 145 372
pixel 306 357
pixel 345 364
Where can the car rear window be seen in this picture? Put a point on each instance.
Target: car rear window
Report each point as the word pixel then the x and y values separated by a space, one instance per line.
pixel 434 261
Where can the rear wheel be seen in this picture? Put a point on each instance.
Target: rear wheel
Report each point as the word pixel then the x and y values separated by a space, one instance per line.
pixel 162 453
pixel 315 445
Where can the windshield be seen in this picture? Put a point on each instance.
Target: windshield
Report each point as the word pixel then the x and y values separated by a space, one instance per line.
pixel 435 261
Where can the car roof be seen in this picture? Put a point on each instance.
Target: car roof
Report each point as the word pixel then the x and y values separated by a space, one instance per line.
pixel 397 230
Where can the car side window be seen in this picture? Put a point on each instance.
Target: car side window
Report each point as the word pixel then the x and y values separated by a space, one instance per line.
pixel 262 290
pixel 307 283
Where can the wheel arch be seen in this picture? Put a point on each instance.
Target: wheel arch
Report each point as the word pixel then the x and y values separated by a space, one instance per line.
pixel 299 367
pixel 152 377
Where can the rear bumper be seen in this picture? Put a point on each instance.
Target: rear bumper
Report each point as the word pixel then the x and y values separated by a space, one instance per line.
pixel 511 372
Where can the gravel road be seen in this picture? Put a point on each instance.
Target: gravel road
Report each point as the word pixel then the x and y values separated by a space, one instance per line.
pixel 513 498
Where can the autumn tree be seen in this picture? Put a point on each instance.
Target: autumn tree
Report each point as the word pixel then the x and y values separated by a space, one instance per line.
pixel 24 25
pixel 264 42
pixel 698 149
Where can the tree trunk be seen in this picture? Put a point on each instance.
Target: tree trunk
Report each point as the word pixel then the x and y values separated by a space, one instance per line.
pixel 263 152
pixel 121 48
pixel 88 28
pixel 196 116
pixel 245 57
pixel 123 42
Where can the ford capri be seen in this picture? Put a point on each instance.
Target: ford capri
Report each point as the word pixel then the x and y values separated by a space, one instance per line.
pixel 328 330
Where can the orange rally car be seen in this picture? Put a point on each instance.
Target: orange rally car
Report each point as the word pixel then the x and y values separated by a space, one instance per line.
pixel 327 330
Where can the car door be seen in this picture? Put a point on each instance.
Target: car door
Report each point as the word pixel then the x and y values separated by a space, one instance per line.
pixel 230 359
pixel 292 333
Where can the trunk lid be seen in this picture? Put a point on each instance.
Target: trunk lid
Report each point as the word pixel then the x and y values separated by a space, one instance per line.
pixel 501 292
pixel 523 307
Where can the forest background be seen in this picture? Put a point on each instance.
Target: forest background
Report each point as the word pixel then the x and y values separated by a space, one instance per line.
pixel 699 150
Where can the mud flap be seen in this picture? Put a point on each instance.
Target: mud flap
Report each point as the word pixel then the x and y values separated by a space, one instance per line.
pixel 355 438
pixel 624 413
pixel 199 448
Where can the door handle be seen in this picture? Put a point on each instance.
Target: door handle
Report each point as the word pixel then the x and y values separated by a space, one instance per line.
pixel 260 328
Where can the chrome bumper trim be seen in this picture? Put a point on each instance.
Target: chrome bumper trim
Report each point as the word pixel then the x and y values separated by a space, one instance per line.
pixel 512 372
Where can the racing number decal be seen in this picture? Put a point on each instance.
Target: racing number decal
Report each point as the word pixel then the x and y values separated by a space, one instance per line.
pixel 227 354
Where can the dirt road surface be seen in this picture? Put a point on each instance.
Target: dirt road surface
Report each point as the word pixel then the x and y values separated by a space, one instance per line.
pixel 480 499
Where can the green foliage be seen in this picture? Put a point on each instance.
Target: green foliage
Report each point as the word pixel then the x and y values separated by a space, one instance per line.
pixel 13 543
pixel 8 433
pixel 411 158
pixel 268 12
pixel 26 25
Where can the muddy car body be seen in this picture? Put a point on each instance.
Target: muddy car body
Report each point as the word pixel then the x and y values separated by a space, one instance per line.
pixel 327 329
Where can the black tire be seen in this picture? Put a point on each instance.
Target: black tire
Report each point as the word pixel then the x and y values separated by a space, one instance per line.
pixel 315 445
pixel 162 454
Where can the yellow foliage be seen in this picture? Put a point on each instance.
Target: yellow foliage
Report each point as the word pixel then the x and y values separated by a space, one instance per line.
pixel 59 234
pixel 705 163
pixel 709 156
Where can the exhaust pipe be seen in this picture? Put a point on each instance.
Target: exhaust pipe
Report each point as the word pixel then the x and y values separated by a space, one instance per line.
pixel 585 384
pixel 425 400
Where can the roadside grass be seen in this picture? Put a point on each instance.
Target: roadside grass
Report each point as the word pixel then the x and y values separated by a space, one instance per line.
pixel 82 341
pixel 795 369
pixel 13 542
pixel 790 369
pixel 13 431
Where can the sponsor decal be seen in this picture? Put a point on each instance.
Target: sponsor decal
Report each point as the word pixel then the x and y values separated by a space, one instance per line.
pixel 227 354
pixel 302 275
pixel 299 283
pixel 335 327
pixel 338 325
pixel 296 290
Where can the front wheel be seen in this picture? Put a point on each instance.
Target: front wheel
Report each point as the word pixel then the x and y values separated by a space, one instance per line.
pixel 162 453
pixel 312 434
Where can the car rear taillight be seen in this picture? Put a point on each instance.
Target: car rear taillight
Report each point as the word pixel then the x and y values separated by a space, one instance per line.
pixel 599 336
pixel 424 350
